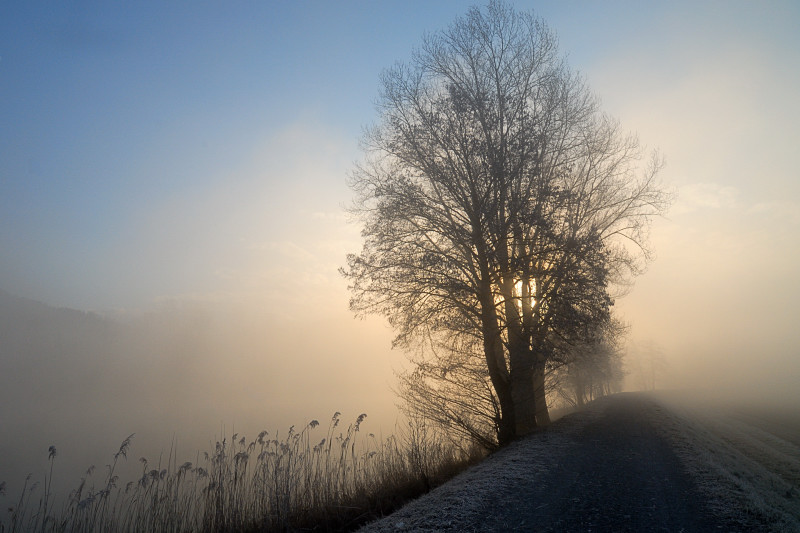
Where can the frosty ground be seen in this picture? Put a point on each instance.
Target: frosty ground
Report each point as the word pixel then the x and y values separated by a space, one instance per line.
pixel 629 462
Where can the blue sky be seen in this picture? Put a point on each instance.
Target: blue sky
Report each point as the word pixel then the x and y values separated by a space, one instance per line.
pixel 111 111
pixel 189 159
pixel 155 152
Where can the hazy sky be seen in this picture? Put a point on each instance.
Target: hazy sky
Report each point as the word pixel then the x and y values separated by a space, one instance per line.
pixel 153 154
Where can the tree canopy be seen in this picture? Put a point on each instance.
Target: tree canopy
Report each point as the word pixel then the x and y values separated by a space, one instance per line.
pixel 499 205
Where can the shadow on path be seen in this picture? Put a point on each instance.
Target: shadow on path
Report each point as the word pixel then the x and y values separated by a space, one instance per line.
pixel 621 475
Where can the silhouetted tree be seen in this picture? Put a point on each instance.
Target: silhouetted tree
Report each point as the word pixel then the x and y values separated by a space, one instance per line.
pixel 498 204
pixel 592 368
pixel 451 386
pixel 648 364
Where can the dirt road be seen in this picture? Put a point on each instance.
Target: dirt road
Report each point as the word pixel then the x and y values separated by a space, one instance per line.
pixel 627 463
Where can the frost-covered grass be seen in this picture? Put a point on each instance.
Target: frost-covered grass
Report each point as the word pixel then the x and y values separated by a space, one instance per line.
pixel 332 481
pixel 463 503
pixel 748 475
pixel 751 475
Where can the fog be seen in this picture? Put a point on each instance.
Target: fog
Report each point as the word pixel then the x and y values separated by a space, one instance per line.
pixel 719 302
pixel 179 377
pixel 172 192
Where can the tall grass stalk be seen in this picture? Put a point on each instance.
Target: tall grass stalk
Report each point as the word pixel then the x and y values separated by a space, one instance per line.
pixel 335 481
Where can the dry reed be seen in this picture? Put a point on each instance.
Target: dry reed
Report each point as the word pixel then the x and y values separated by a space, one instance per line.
pixel 333 482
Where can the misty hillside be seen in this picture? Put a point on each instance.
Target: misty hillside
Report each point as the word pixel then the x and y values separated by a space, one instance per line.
pixel 179 377
pixel 66 374
pixel 75 356
pixel 40 343
pixel 83 382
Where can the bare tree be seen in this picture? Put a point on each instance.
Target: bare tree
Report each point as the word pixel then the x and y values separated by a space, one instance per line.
pixel 647 363
pixel 452 388
pixel 498 204
pixel 593 368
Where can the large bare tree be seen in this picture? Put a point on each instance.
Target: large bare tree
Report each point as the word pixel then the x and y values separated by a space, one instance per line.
pixel 498 204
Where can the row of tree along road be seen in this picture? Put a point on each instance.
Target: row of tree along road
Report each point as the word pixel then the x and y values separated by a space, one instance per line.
pixel 501 211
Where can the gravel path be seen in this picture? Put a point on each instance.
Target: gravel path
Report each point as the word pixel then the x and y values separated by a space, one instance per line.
pixel 608 468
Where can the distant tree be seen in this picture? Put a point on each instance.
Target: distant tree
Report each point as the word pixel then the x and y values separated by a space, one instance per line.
pixel 498 205
pixel 592 368
pixel 648 364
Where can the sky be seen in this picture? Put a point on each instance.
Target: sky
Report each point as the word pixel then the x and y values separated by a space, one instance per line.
pixel 193 156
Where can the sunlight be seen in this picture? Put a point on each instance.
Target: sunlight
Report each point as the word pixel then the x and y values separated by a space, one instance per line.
pixel 523 290
pixel 519 294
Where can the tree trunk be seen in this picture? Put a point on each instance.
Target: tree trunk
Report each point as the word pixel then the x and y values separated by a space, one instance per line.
pixel 542 413
pixel 522 393
pixel 520 362
pixel 579 402
pixel 502 387
pixel 495 361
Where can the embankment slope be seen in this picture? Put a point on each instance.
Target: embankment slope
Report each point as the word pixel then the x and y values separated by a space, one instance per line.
pixel 628 462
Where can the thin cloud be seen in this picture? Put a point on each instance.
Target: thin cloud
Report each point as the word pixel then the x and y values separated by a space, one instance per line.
pixel 698 196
